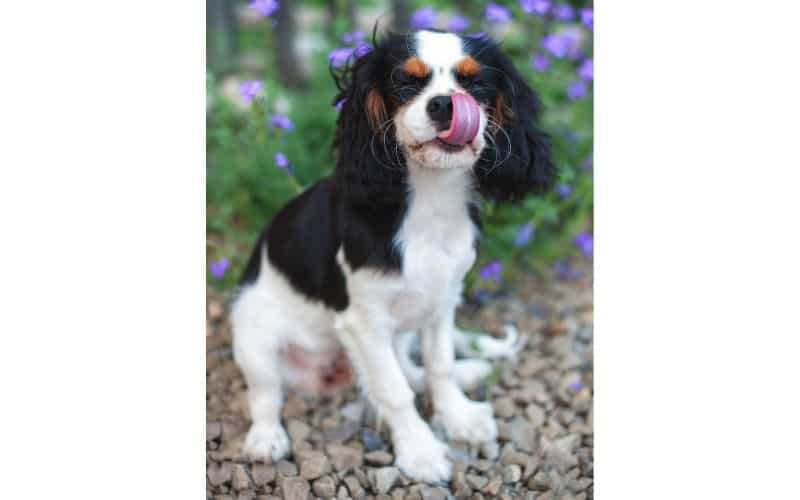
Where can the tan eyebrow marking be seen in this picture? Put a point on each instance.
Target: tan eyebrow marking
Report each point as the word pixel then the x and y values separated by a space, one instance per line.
pixel 468 67
pixel 415 67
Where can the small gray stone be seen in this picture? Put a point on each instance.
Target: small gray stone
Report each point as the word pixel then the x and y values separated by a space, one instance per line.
pixel 490 450
pixel 213 431
pixel 522 433
pixel 354 486
pixel 428 493
pixel 372 440
pixel 559 453
pixel 324 487
pixel 379 458
pixel 342 432
pixel 344 457
pixel 535 414
pixel 286 468
pixel 475 481
pixel 512 473
pixel 263 474
pixel 241 480
pixel 219 474
pixel 540 481
pixel 315 466
pixel 353 411
pixel 295 488
pixel 493 486
pixel 383 479
pixel 298 430
pixel 504 407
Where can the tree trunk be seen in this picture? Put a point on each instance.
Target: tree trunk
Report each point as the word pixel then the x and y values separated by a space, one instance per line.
pixel 401 15
pixel 289 71
pixel 351 8
pixel 222 35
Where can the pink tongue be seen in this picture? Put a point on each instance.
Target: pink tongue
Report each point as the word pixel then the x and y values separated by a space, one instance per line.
pixel 465 121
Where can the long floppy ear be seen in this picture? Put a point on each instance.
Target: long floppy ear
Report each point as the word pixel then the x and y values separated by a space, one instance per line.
pixel 369 165
pixel 519 163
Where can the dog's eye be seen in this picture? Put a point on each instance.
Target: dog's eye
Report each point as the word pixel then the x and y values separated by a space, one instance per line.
pixel 407 86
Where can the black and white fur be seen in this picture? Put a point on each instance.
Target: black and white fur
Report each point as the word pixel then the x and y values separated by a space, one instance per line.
pixel 377 252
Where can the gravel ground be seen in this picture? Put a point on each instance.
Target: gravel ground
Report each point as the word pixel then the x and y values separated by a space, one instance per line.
pixel 542 402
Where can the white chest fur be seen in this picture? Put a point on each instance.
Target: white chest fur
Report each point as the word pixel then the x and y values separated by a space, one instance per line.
pixel 436 239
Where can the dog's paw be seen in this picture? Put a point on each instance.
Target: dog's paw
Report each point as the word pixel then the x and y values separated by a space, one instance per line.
pixel 424 459
pixel 266 442
pixel 469 373
pixel 467 420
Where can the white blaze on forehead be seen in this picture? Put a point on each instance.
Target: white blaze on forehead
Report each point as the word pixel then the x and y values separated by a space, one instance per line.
pixel 440 51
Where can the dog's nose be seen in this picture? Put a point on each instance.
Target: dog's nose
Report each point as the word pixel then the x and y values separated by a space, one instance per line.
pixel 440 109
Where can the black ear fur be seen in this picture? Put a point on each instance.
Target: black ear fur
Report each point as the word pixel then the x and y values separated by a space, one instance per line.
pixel 520 163
pixel 369 166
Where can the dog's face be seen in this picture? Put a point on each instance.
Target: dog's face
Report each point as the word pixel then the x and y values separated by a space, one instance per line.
pixel 423 86
pixel 405 102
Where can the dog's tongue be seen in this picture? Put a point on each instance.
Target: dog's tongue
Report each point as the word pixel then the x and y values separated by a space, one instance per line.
pixel 465 121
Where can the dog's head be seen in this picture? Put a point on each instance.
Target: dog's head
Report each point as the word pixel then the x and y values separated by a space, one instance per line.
pixel 440 101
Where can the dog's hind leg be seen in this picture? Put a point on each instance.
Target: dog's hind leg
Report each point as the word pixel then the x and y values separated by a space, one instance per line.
pixel 468 373
pixel 256 348
pixel 482 345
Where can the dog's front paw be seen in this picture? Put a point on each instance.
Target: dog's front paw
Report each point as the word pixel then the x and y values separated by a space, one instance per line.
pixel 468 420
pixel 266 442
pixel 423 459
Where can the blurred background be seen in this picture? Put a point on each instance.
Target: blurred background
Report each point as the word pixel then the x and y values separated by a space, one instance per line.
pixel 271 115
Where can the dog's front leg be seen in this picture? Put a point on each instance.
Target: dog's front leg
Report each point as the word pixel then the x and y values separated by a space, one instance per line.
pixel 462 418
pixel 369 345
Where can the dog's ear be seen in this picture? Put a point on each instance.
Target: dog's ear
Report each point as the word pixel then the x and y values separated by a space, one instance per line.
pixel 369 165
pixel 519 161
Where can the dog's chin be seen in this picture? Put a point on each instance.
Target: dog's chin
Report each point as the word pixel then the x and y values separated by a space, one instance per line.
pixel 438 154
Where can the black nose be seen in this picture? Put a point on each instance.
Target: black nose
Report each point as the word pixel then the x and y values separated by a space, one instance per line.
pixel 440 109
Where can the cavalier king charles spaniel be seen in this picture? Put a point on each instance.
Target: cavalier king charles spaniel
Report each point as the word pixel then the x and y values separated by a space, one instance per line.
pixel 349 271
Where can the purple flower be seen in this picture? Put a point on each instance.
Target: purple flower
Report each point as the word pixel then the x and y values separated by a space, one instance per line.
pixel 492 271
pixel 264 7
pixel 424 18
pixel 477 36
pixel 555 44
pixel 497 14
pixel 362 49
pixel 586 70
pixel 524 234
pixel 281 161
pixel 563 270
pixel 576 89
pixel 564 190
pixel 539 7
pixel 353 37
pixel 587 18
pixel 281 121
pixel 576 386
pixel 219 267
pixel 458 23
pixel 338 57
pixel 339 104
pixel 249 90
pixel 563 12
pixel 585 242
pixel 540 62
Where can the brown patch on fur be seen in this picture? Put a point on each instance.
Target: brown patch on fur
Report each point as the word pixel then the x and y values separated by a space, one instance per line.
pixel 502 111
pixel 415 67
pixel 468 67
pixel 376 110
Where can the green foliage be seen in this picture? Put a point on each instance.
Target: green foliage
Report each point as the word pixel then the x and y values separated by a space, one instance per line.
pixel 245 187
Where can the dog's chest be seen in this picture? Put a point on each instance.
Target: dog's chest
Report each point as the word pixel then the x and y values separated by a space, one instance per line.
pixel 437 239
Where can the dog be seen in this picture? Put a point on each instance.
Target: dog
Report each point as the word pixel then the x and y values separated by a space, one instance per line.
pixel 350 270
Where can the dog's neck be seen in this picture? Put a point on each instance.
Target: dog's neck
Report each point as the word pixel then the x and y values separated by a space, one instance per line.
pixel 441 189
